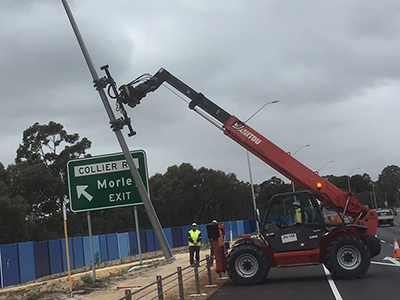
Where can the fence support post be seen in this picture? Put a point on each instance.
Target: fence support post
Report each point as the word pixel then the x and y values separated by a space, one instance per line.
pixel 196 276
pixel 128 295
pixel 159 288
pixel 208 260
pixel 180 283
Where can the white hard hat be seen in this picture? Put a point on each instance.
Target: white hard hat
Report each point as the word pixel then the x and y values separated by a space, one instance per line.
pixel 194 224
pixel 214 221
pixel 296 202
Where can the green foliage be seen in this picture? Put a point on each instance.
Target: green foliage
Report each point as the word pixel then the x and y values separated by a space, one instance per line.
pixel 39 176
pixel 32 191
pixel 389 186
pixel 268 188
pixel 184 195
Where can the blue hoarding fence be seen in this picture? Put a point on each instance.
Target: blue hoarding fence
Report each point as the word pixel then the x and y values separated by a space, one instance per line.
pixel 23 262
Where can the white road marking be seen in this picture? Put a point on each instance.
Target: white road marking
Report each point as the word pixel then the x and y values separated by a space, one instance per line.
pixel 383 264
pixel 332 284
pixel 392 260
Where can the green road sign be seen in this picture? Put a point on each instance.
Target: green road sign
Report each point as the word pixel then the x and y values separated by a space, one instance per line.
pixel 103 182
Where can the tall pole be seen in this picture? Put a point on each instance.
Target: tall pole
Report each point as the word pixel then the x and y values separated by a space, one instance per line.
pixel 89 220
pixel 331 161
pixel 307 145
pixel 304 146
pixel 139 244
pixel 67 247
pixel 253 197
pixel 373 193
pixel 348 177
pixel 135 174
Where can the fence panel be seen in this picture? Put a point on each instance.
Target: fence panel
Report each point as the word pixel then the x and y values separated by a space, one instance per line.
pixel 86 250
pixel 246 226
pixel 234 228
pixel 64 254
pixel 112 246
pixel 42 259
pixel 55 256
pixel 168 236
pixel 240 227
pixel 143 243
pixel 79 258
pixel 177 240
pixel 252 226
pixel 26 256
pixel 133 245
pixel 185 230
pixel 103 248
pixel 151 245
pixel 10 264
pixel 203 230
pixel 123 245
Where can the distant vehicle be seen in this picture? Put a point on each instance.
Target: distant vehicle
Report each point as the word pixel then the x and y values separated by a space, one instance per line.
pixel 385 216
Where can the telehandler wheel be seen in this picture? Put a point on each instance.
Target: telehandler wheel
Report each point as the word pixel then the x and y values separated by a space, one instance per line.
pixel 247 265
pixel 347 257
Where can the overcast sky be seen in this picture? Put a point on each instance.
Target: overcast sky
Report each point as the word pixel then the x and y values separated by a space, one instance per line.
pixel 333 65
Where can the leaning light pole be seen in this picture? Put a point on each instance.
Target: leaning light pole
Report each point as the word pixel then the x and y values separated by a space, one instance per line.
pixel 117 125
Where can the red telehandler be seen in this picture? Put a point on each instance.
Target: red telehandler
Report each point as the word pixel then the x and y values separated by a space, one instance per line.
pixel 331 226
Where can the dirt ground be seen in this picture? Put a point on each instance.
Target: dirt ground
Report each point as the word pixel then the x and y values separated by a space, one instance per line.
pixel 112 281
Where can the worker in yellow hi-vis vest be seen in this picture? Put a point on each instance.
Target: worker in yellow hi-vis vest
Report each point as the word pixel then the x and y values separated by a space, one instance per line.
pixel 194 240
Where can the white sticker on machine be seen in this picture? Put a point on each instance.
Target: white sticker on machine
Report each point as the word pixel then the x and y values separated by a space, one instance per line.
pixel 288 238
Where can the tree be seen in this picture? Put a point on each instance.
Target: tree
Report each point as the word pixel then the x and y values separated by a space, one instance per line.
pixel 269 188
pixel 12 212
pixel 41 144
pixel 389 185
pixel 39 175
pixel 184 195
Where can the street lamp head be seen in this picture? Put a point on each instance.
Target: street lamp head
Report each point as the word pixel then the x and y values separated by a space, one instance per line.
pixel 270 102
pixel 353 171
pixel 331 161
pixel 308 145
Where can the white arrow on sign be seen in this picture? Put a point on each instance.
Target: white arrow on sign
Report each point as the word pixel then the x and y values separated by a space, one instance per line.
pixel 81 190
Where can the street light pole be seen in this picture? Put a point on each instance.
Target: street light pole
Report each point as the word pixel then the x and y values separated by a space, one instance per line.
pixel 331 161
pixel 348 177
pixel 271 102
pixel 373 193
pixel 307 145
pixel 253 196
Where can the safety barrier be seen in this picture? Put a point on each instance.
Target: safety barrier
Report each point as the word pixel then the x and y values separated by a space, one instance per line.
pixel 27 261
pixel 174 281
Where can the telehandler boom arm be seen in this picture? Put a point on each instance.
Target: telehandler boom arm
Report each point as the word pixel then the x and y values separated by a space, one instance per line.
pixel 342 202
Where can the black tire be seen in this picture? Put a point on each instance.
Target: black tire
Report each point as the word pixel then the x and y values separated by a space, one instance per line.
pixel 247 265
pixel 347 257
pixel 392 223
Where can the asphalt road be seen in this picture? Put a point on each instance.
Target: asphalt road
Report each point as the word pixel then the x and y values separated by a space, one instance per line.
pixel 313 283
